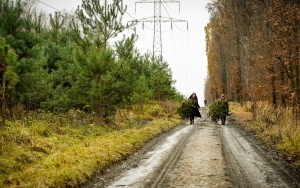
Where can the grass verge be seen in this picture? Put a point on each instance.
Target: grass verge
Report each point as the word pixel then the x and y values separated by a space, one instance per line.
pixel 278 128
pixel 53 152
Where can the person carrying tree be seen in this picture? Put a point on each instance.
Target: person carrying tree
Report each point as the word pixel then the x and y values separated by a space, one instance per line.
pixel 194 109
pixel 223 108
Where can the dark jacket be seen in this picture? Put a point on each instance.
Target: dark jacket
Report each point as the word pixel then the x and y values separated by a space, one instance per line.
pixel 223 106
pixel 194 111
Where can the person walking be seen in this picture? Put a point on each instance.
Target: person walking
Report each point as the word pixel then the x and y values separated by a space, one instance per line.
pixel 195 108
pixel 223 108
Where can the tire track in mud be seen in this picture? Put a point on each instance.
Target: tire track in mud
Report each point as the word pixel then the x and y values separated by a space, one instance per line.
pixel 201 155
pixel 170 161
pixel 201 163
pixel 152 168
pixel 247 164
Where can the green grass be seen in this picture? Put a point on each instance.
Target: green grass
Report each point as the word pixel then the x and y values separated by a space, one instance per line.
pixel 45 150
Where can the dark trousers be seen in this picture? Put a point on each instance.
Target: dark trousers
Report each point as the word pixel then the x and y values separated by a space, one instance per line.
pixel 223 119
pixel 192 119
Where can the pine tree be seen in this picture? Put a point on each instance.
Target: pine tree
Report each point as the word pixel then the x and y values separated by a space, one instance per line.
pixel 102 22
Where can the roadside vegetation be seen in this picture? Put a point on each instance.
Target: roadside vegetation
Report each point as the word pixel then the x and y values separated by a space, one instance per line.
pixel 253 55
pixel 72 103
pixel 278 128
pixel 76 96
pixel 47 150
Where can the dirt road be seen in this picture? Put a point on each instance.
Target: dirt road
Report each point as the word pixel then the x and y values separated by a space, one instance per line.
pixel 204 154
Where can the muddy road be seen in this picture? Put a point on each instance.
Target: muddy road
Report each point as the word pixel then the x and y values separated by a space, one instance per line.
pixel 204 154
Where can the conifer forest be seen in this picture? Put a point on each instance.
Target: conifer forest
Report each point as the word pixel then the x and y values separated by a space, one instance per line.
pixel 64 61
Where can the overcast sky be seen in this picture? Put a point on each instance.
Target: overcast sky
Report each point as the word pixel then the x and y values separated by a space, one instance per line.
pixel 183 48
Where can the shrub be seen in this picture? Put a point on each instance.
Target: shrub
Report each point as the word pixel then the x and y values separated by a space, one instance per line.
pixel 214 112
pixel 185 109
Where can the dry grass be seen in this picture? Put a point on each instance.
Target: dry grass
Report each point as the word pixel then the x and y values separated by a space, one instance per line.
pixel 50 151
pixel 240 114
pixel 279 128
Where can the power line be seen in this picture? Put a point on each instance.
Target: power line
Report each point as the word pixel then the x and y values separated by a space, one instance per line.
pixel 136 19
pixel 170 18
pixel 49 5
pixel 171 8
pixel 59 11
pixel 157 19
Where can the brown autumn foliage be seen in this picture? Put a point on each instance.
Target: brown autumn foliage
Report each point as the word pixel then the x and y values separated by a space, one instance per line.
pixel 253 51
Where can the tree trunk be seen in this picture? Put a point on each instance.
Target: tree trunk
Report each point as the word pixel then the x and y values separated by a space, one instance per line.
pixel 3 114
pixel 273 89
pixel 238 57
pixel 281 77
pixel 297 57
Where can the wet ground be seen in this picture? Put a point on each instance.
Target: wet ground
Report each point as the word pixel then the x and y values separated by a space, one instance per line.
pixel 204 154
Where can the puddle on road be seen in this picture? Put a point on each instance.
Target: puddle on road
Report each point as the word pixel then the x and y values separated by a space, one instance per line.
pixel 152 159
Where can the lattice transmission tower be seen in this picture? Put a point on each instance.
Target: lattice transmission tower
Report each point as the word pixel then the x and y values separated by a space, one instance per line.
pixel 157 20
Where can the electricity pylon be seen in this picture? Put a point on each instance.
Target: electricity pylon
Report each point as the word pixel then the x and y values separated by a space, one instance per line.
pixel 157 20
